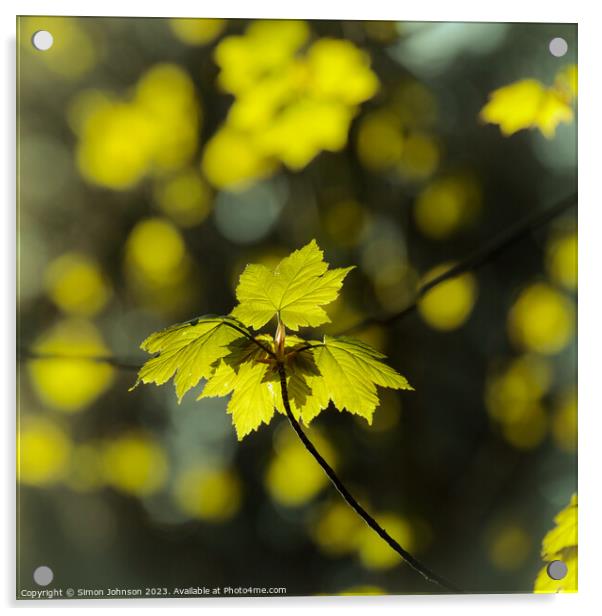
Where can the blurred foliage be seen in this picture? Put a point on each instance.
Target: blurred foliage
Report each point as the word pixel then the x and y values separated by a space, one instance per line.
pixel 448 305
pixel 528 103
pixel 292 477
pixel 153 131
pixel 288 106
pixel 157 157
pixel 69 382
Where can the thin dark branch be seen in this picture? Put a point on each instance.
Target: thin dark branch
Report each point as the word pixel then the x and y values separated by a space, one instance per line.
pixel 350 499
pixel 476 259
pixel 121 364
pixel 239 328
pixel 306 347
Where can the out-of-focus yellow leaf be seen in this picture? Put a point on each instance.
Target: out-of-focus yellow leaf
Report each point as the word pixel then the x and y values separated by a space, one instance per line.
pixel 542 319
pixel 266 47
pixel 447 204
pixel 212 495
pixel 339 70
pixel 185 198
pixel 293 477
pixel 43 450
pixel 561 259
pixel 510 547
pixel 362 591
pixel 447 306
pixel 231 160
pixel 566 81
pixel 290 103
pixel 564 422
pixel 337 529
pixel 76 284
pixel 195 31
pixel 134 463
pixel 153 131
pixel 70 382
pixel 529 104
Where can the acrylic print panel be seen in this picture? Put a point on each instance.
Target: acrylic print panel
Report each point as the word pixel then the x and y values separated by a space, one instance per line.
pixel 259 258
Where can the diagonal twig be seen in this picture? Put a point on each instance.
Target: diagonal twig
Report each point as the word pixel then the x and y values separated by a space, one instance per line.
pixel 476 259
pixel 413 562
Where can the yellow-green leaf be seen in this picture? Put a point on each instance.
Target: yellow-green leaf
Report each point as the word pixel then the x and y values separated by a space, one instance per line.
pixel 295 290
pixel 349 373
pixel 528 103
pixel 188 351
pixel 564 534
pixel 561 543
pixel 247 368
pixel 545 584
pixel 243 375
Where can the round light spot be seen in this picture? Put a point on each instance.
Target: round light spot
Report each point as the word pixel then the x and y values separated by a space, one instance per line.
pixel 557 570
pixel 43 575
pixel 42 40
pixel 558 47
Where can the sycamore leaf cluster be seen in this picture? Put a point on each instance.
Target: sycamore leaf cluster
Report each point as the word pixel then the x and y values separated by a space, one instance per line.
pixel 231 359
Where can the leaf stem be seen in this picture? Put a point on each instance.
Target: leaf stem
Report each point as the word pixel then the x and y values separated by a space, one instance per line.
pixel 350 499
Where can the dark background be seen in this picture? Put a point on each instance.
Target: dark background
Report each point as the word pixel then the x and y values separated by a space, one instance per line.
pixel 474 498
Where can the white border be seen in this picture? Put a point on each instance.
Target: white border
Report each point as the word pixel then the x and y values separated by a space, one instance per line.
pixel 590 253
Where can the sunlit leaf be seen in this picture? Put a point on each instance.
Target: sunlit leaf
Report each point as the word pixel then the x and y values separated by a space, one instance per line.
pixel 561 543
pixel 350 371
pixel 294 291
pixel 530 104
pixel 564 535
pixel 188 351
pixel 250 368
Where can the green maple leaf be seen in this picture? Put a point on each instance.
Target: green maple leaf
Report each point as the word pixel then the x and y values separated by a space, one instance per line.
pixel 349 370
pixel 188 351
pixel 234 362
pixel 294 291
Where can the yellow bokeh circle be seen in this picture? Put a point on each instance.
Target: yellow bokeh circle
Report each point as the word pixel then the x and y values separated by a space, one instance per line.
pixel 76 284
pixel 447 306
pixel 62 376
pixel 134 463
pixel 43 450
pixel 542 319
pixel 213 495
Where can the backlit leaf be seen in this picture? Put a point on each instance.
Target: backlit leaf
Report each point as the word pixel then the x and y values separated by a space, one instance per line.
pixel 530 104
pixel 349 373
pixel 253 380
pixel 248 368
pixel 561 543
pixel 188 351
pixel 295 290
pixel 564 534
